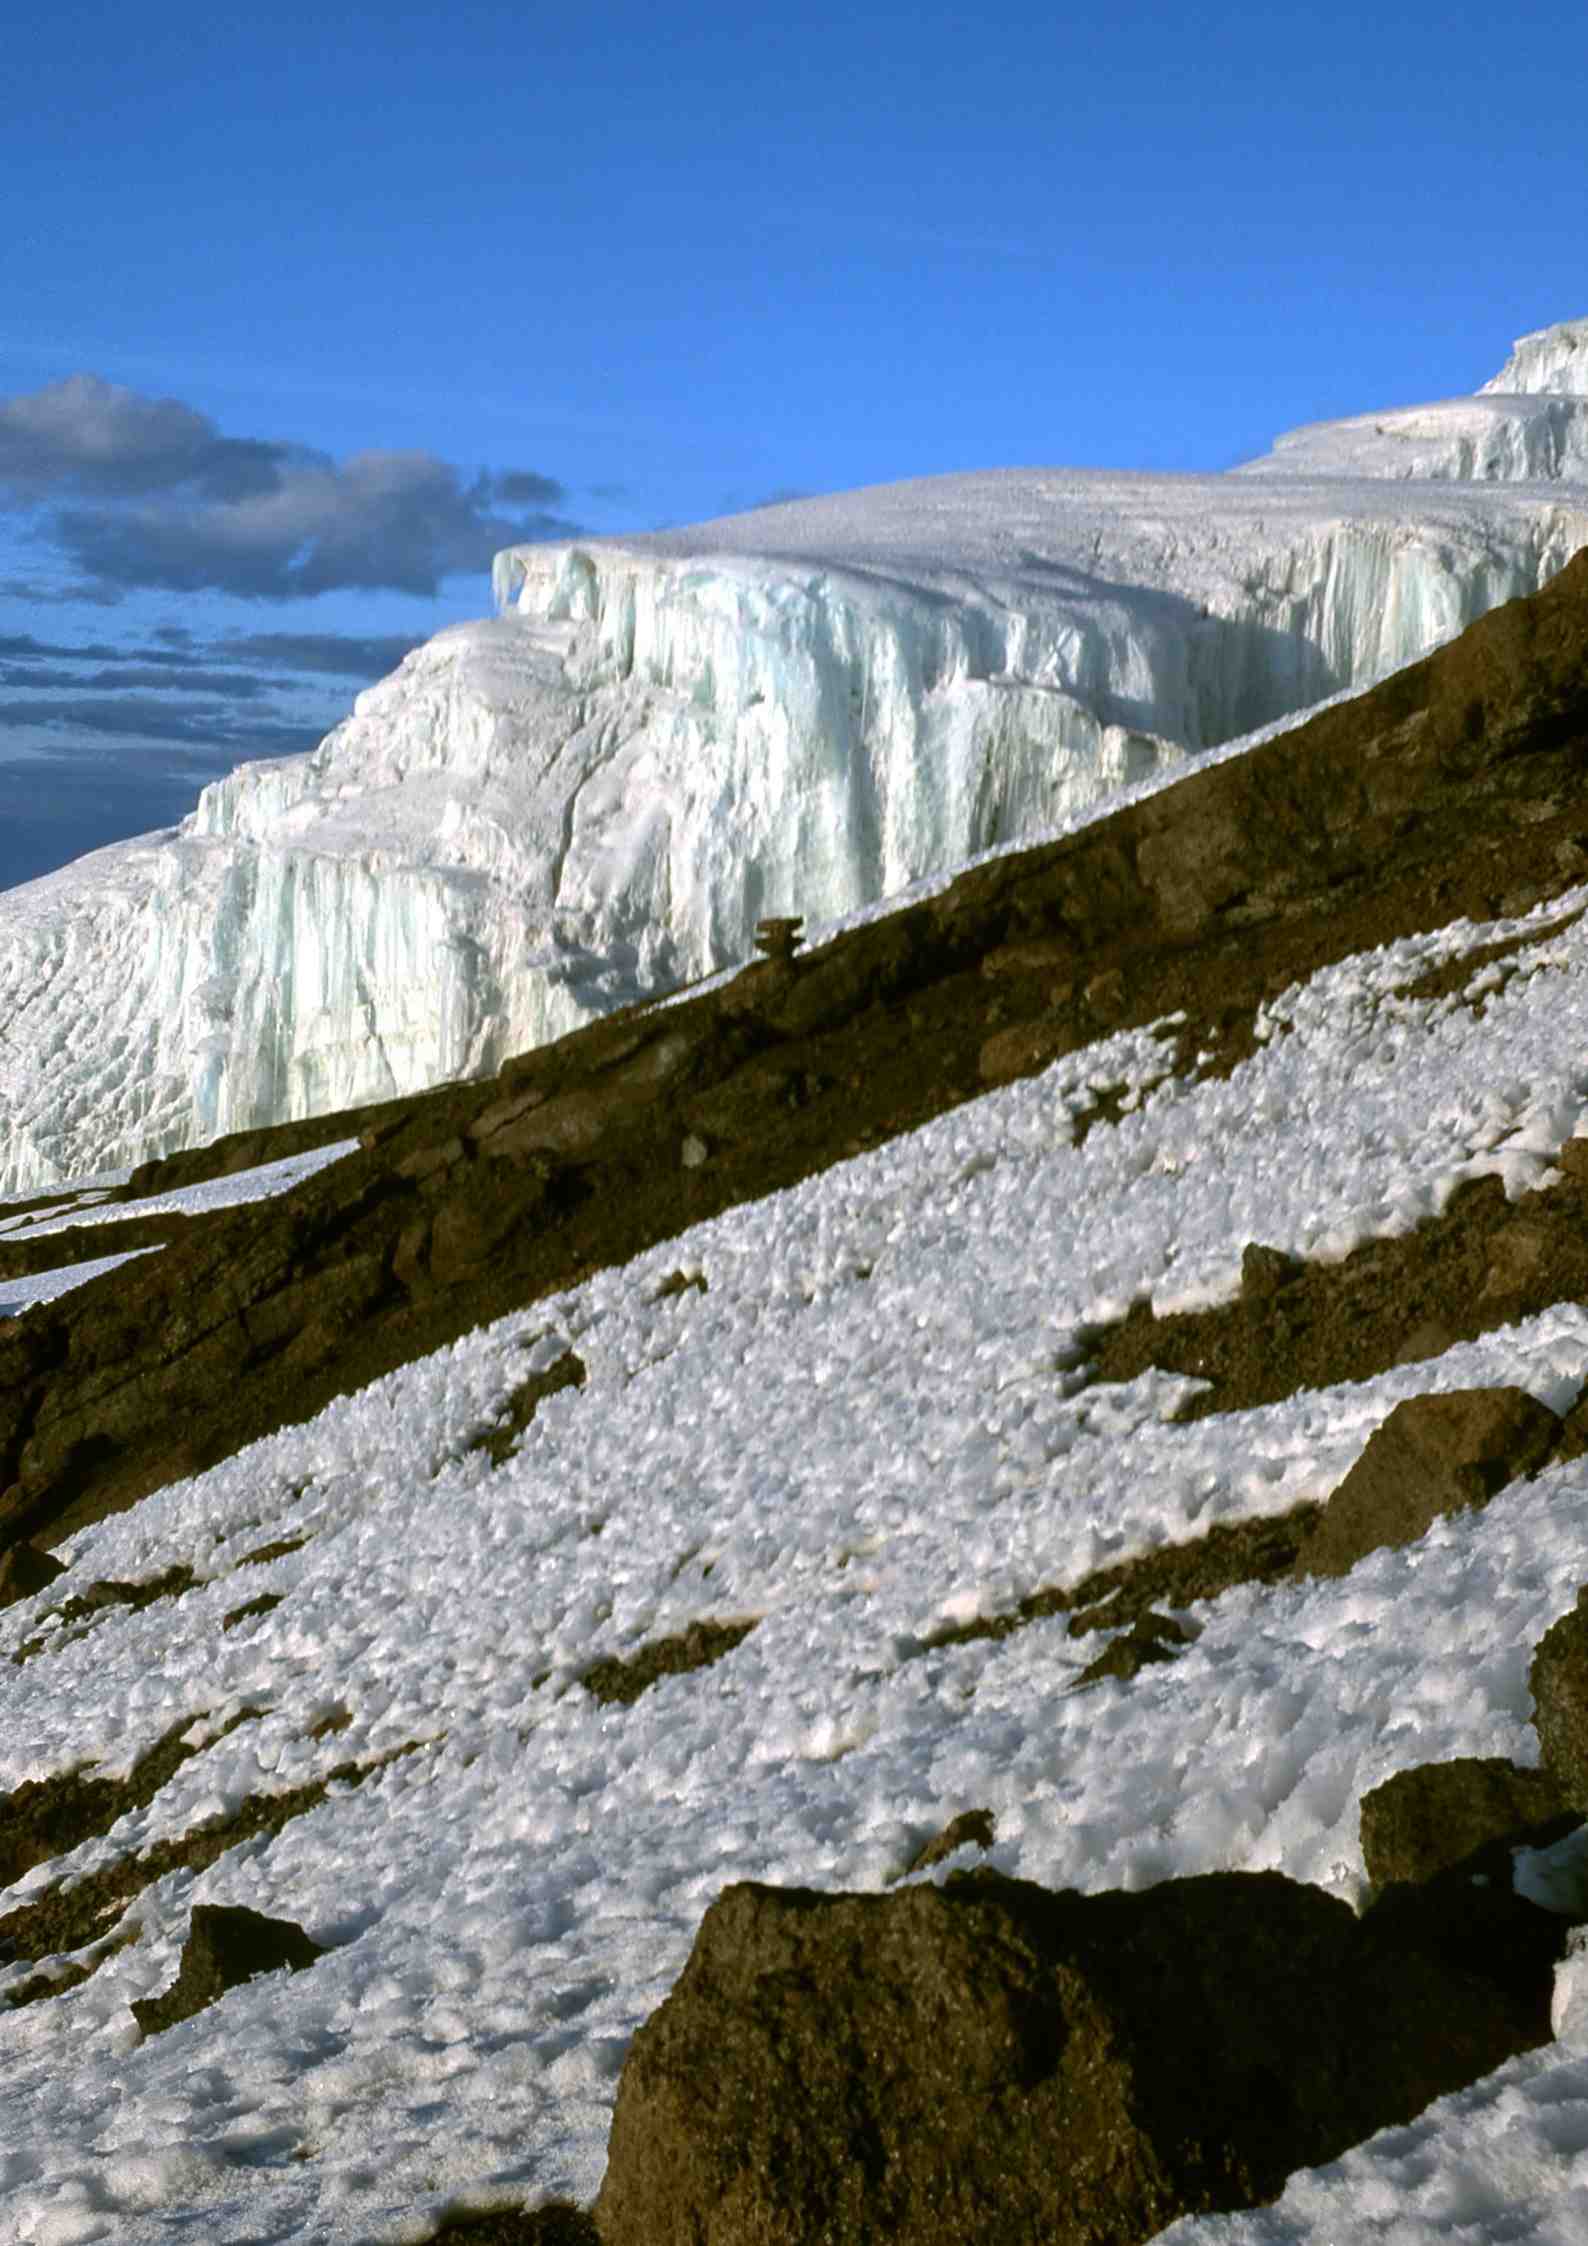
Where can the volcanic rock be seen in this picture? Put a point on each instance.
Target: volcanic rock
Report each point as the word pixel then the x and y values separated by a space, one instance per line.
pixel 226 1946
pixel 1438 1843
pixel 1559 1679
pixel 1424 1820
pixel 25 1570
pixel 1265 1270
pixel 1151 1637
pixel 1434 1454
pixel 991 2060
pixel 972 1828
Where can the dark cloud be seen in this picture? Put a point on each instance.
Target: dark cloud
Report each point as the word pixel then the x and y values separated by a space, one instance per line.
pixel 59 596
pixel 522 487
pixel 132 717
pixel 23 647
pixel 146 493
pixel 93 437
pixel 129 678
pixel 325 654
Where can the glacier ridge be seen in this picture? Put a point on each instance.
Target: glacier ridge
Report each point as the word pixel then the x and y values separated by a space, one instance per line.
pixel 593 795
pixel 1550 361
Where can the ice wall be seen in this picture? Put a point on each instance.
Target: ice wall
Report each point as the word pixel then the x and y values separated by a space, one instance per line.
pixel 596 794
pixel 1553 360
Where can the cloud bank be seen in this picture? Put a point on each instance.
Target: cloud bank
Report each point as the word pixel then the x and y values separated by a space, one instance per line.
pixel 144 493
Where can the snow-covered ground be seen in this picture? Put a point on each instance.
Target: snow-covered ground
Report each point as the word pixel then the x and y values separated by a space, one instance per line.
pixel 595 794
pixel 866 1427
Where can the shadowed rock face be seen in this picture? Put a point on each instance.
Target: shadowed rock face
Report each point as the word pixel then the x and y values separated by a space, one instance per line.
pixel 991 2060
pixel 226 1946
pixel 1425 1820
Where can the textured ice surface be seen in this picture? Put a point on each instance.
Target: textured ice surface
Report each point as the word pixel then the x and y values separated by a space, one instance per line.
pixel 1551 359
pixel 862 1429
pixel 595 794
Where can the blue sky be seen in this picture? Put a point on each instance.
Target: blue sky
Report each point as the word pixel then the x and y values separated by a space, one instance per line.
pixel 302 314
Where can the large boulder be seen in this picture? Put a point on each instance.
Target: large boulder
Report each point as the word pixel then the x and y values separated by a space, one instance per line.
pixel 1439 1844
pixel 990 2060
pixel 1436 1454
pixel 1422 1821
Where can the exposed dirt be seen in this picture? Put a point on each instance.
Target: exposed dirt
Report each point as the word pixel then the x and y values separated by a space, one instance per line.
pixel 1124 1595
pixel 501 1439
pixel 66 1919
pixel 619 1680
pixel 47 1817
pixel 1485 1262
pixel 21 1257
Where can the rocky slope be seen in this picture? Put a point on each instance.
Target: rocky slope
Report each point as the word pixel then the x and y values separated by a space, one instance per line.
pixel 1191 919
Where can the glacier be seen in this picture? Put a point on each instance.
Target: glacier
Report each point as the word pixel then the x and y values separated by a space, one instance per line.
pixel 592 796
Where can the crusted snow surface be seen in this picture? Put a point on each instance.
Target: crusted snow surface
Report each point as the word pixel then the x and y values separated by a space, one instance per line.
pixel 869 1424
pixel 595 794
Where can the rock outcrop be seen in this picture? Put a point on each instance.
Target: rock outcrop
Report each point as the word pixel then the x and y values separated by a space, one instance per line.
pixel 227 1945
pixel 1559 1678
pixel 1435 1454
pixel 990 2060
pixel 1429 1819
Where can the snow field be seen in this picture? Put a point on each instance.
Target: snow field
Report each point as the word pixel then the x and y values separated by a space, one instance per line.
pixel 869 1426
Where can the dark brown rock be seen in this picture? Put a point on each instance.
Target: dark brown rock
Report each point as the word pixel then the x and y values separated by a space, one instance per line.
pixel 25 1570
pixel 502 1437
pixel 972 1828
pixel 1519 1253
pixel 1430 1337
pixel 1265 1270
pixel 1434 1455
pixel 1470 1919
pixel 1559 1679
pixel 226 1946
pixel 1150 1638
pixel 1426 1819
pixel 1027 1046
pixel 557 2223
pixel 992 2061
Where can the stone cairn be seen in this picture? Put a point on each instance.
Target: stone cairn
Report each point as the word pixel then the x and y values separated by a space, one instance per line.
pixel 779 940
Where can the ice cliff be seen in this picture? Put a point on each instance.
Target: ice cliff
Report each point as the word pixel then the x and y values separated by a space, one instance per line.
pixel 596 793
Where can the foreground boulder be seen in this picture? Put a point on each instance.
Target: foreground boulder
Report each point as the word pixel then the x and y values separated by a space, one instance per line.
pixel 990 2060
pixel 1439 1843
pixel 1434 1454
pixel 227 1945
